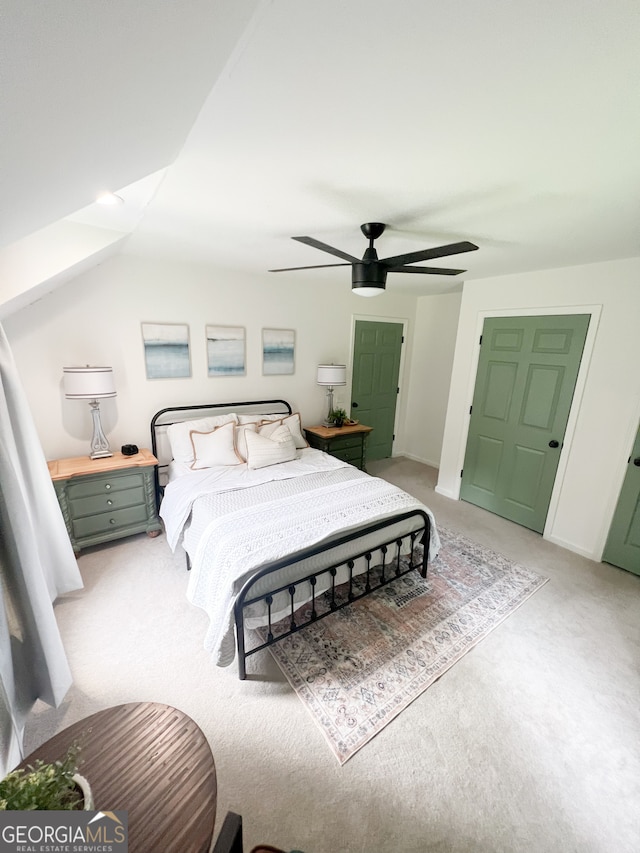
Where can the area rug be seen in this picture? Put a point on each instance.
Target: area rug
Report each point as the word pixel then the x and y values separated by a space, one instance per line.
pixel 357 669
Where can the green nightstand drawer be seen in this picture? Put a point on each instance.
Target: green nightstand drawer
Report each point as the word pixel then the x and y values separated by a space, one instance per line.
pixel 103 484
pixel 120 519
pixel 345 443
pixel 107 502
pixel 350 454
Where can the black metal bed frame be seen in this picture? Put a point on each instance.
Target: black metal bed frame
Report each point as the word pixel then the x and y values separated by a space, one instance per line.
pixel 379 571
pixel 357 586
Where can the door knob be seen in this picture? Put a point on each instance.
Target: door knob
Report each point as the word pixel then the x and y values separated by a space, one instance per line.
pixel 354 405
pixel 636 461
pixel 554 443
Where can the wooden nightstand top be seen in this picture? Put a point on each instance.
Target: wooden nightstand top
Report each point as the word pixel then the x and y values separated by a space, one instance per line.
pixel 80 466
pixel 334 432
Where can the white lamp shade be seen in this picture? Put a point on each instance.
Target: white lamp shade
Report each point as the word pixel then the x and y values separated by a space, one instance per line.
pixel 332 374
pixel 88 383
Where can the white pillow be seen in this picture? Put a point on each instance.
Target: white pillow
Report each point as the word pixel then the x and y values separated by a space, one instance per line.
pixel 294 422
pixel 267 428
pixel 215 448
pixel 295 428
pixel 241 438
pixel 180 439
pixel 263 451
pixel 258 419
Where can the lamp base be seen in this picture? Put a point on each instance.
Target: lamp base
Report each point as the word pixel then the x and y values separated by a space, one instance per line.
pixel 326 422
pixel 99 444
pixel 100 454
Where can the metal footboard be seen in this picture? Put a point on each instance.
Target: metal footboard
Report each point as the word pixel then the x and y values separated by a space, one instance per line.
pixel 383 563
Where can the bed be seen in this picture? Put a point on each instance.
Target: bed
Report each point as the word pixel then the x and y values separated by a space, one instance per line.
pixel 277 534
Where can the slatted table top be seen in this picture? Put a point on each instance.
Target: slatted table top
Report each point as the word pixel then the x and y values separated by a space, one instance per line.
pixel 152 761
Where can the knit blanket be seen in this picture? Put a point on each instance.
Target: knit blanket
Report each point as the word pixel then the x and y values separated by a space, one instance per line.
pixel 275 520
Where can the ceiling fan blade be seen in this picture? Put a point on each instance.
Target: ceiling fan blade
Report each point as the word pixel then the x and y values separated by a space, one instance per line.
pixel 425 270
pixel 429 254
pixel 310 241
pixel 317 267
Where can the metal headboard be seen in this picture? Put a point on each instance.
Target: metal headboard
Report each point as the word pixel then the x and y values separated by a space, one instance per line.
pixel 176 414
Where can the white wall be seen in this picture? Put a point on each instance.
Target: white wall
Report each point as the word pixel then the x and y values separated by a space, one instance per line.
pixel 96 319
pixel 606 407
pixel 432 356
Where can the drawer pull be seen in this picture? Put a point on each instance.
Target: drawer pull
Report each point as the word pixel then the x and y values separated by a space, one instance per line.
pixel 107 485
pixel 109 503
pixel 112 521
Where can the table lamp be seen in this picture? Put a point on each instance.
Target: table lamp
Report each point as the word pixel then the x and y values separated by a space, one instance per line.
pixel 92 384
pixel 330 375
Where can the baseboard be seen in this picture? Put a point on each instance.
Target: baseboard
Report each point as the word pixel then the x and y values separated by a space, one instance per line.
pixel 447 493
pixel 415 458
pixel 557 540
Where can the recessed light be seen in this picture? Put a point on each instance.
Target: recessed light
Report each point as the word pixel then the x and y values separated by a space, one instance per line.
pixel 110 198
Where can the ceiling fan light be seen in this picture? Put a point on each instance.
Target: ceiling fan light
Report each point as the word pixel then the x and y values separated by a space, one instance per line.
pixel 367 289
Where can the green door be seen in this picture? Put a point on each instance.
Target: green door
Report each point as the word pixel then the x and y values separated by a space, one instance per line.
pixel 374 383
pixel 623 543
pixel 526 377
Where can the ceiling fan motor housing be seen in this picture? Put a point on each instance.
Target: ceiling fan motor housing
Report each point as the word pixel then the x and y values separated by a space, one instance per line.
pixel 368 275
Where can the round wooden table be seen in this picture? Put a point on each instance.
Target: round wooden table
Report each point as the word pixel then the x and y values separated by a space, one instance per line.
pixel 151 761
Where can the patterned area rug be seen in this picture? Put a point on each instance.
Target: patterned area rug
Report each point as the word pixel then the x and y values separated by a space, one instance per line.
pixel 356 670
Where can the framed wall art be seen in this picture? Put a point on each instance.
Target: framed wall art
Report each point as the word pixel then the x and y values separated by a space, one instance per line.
pixel 166 350
pixel 226 349
pixel 278 351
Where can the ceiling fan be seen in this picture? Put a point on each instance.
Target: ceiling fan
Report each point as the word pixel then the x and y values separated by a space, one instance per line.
pixel 369 275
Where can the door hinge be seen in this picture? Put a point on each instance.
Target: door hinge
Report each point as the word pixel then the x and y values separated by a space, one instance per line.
pixel 402 339
pixel 461 472
pixel 397 390
pixel 470 409
pixel 393 437
pixel 480 341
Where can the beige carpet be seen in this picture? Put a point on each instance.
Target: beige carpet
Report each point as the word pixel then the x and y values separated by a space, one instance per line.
pixel 358 668
pixel 529 744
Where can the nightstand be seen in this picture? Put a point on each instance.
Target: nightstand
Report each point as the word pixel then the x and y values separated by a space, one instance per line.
pixel 347 443
pixel 105 499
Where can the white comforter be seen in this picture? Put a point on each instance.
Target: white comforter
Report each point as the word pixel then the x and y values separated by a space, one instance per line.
pixel 235 520
pixel 181 493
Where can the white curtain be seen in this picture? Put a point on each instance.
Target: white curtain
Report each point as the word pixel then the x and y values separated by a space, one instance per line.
pixel 37 565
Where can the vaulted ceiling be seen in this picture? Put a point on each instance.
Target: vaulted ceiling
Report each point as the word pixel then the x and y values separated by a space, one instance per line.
pixel 513 125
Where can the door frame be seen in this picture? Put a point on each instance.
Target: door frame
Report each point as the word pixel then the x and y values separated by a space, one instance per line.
pixel 620 474
pixel 401 403
pixel 595 312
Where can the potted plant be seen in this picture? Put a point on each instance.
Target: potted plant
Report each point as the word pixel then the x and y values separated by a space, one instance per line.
pixel 338 417
pixel 42 786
